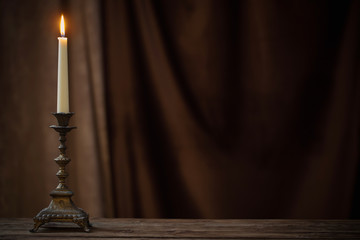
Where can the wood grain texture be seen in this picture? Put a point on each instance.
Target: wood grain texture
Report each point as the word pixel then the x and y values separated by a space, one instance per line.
pixel 186 229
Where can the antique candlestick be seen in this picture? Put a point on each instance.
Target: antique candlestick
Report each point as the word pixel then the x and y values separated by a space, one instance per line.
pixel 62 208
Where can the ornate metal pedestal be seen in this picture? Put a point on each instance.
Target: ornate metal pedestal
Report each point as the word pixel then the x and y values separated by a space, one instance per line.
pixel 62 208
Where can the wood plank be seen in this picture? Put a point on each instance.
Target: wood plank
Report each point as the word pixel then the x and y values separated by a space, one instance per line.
pixel 187 228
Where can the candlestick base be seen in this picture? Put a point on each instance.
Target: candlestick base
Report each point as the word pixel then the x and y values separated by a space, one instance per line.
pixel 62 208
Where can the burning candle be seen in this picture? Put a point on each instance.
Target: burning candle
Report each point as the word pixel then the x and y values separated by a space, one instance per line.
pixel 63 80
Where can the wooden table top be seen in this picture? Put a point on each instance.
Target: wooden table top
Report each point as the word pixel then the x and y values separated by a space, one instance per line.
pixel 111 228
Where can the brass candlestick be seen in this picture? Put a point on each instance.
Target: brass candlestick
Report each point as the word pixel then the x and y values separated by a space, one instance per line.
pixel 62 208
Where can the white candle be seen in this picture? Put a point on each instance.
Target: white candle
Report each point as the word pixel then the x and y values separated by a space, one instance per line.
pixel 63 80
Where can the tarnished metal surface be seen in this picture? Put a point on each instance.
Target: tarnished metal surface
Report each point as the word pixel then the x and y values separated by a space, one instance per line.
pixel 62 208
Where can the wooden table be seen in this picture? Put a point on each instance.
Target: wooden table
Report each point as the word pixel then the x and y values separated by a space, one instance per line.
pixel 107 228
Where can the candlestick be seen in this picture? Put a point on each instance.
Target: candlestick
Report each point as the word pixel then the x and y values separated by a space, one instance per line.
pixel 63 80
pixel 62 208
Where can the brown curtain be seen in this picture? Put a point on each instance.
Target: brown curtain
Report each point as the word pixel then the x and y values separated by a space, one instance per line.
pixel 199 109
pixel 233 109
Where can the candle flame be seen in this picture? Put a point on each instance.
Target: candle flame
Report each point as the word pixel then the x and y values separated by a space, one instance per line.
pixel 62 26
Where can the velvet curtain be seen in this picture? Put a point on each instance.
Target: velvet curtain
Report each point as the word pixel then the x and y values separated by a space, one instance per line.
pixel 192 109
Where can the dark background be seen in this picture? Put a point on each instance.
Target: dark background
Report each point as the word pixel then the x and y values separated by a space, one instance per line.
pixel 185 109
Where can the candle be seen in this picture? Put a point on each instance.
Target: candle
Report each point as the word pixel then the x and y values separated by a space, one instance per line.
pixel 63 81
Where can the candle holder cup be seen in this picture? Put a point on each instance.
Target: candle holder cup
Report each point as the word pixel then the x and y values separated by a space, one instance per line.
pixel 62 208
